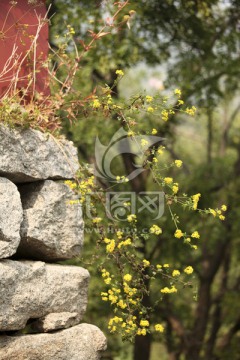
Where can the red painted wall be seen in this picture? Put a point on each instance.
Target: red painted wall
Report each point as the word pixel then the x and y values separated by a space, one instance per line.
pixel 19 25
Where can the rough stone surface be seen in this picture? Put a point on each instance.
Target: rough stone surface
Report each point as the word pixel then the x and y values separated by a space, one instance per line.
pixel 10 218
pixel 29 155
pixel 81 342
pixel 52 227
pixel 32 290
pixel 55 321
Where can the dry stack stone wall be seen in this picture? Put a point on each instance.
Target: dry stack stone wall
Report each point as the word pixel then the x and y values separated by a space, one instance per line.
pixel 39 226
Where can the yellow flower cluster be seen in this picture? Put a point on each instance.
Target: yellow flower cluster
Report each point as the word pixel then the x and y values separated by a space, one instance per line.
pixel 119 73
pixel 126 242
pixel 188 270
pixel 178 163
pixel 109 99
pixel 191 111
pixel 165 115
pixel 218 212
pixel 168 290
pixel 71 30
pixel 112 323
pixel 159 328
pixel 175 273
pixel 110 245
pixel 122 179
pixel 150 109
pixel 96 220
pixel 178 92
pixel 131 218
pixel 119 234
pixel 195 199
pixel 168 180
pixel 142 332
pixel 144 323
pixel 106 276
pixel 175 188
pixel 131 133
pixel 149 99
pixel 146 263
pixel 161 150
pixel 71 184
pixel 84 187
pixel 195 235
pixel 96 104
pixel 144 142
pixel 127 277
pixel 154 131
pixel 178 234
pixel 154 229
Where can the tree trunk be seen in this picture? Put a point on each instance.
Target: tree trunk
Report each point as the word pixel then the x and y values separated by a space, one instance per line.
pixel 142 347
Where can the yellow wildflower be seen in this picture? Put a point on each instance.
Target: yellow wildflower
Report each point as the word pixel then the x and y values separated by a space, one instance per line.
pixel 127 277
pixel 154 229
pixel 111 246
pixel 213 212
pixel 168 180
pixel 191 111
pixel 154 131
pixel 149 99
pixel 175 188
pixel 175 273
pixel 168 290
pixel 144 323
pixel 130 133
pixel 178 234
pixel 178 163
pixel 141 332
pixel 122 304
pixel 119 72
pixel 96 104
pixel 160 150
pixel 195 198
pixel 224 208
pixel 177 92
pixel 146 263
pixel 144 142
pixel 165 115
pixel 150 109
pixel 119 234
pixel 159 328
pixel 188 270
pixel 131 218
pixel 96 220
pixel 196 235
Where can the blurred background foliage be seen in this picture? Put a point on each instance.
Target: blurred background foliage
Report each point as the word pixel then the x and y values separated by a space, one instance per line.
pixel 194 46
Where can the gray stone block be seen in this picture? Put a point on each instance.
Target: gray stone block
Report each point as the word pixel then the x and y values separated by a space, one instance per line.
pixel 52 227
pixel 11 215
pixel 29 155
pixel 32 290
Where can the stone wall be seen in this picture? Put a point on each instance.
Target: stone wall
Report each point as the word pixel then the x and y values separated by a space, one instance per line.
pixel 39 226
